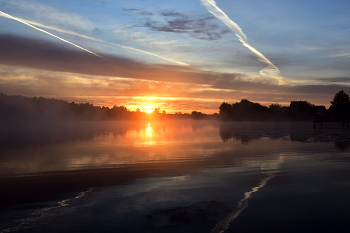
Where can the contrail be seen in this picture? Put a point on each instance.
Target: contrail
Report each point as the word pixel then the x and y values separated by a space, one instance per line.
pixel 30 23
pixel 224 224
pixel 272 170
pixel 21 21
pixel 29 222
pixel 211 6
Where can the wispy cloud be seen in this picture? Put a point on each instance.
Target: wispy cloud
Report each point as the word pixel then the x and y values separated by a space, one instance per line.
pixel 345 80
pixel 139 11
pixel 146 13
pixel 50 14
pixel 67 60
pixel 179 23
pixel 31 24
pixel 75 61
pixel 211 6
pixel 183 88
pixel 172 13
pixel 131 9
pixel 28 24
pixel 341 55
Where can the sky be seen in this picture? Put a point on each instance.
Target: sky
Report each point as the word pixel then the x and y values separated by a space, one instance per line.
pixel 180 56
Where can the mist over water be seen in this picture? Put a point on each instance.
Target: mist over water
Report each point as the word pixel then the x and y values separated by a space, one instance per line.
pixel 173 176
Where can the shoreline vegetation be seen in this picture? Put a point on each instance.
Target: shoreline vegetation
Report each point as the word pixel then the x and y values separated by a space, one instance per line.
pixel 21 108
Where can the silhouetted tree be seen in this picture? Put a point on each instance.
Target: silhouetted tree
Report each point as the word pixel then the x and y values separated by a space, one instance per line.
pixel 277 112
pixel 341 99
pixel 197 115
pixel 20 108
pixel 156 111
pixel 275 107
pixel 249 111
pixel 340 106
pixel 225 111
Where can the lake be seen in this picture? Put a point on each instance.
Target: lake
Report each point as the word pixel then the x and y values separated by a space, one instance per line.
pixel 174 176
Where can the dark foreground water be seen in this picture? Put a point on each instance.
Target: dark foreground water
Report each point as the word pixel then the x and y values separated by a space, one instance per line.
pixel 187 176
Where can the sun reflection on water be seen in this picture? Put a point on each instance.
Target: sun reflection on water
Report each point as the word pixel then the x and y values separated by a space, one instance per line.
pixel 149 130
pixel 146 137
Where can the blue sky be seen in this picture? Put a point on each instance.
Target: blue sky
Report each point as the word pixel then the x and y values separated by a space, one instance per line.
pixel 177 55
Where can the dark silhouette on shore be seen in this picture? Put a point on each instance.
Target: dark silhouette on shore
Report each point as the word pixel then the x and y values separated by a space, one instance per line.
pixel 340 105
pixel 249 111
pixel 20 108
pixel 297 111
pixel 339 111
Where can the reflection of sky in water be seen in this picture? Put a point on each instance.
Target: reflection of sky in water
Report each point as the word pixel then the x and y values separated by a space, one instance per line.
pixel 152 142
pixel 182 177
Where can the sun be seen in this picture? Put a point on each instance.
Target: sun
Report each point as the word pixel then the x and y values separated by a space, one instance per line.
pixel 148 108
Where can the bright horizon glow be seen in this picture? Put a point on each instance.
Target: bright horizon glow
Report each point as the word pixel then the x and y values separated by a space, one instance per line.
pixel 148 108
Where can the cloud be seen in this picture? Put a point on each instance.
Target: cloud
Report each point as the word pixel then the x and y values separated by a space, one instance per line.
pixel 341 55
pixel 50 15
pixel 146 13
pixel 197 28
pixel 335 80
pixel 109 91
pixel 30 23
pixel 45 55
pixel 172 13
pixel 139 11
pixel 38 66
pixel 211 6
pixel 131 9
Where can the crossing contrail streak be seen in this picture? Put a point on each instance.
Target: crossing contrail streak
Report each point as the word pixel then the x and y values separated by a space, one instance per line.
pixel 28 24
pixel 224 224
pixel 31 24
pixel 211 6
pixel 270 170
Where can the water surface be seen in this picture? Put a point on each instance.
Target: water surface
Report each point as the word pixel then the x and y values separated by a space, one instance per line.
pixel 180 176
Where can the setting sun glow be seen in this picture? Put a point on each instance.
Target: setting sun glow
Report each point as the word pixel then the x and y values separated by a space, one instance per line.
pixel 148 108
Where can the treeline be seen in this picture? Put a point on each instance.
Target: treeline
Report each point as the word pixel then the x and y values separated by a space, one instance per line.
pixel 20 108
pixel 14 108
pixel 249 111
pixel 297 111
